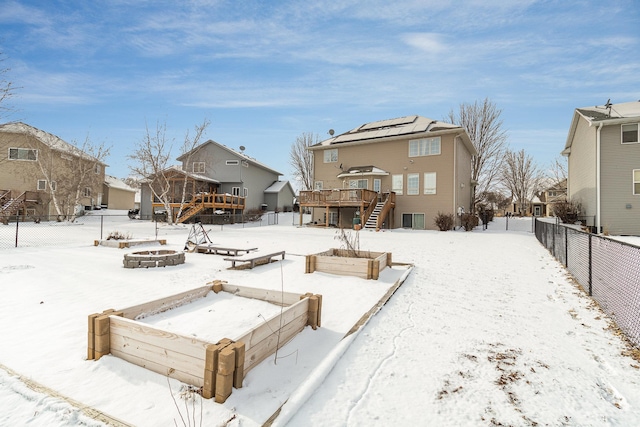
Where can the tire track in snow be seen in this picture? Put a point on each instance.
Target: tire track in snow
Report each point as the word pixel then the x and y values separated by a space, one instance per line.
pixel 356 402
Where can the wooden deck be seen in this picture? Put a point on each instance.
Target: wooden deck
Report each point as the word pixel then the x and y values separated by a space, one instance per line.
pixel 360 198
pixel 201 202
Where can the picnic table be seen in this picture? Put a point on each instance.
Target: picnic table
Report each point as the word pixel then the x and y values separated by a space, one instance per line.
pixel 218 250
pixel 254 258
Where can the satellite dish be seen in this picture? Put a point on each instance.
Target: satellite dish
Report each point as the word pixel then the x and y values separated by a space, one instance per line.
pixel 331 132
pixel 242 148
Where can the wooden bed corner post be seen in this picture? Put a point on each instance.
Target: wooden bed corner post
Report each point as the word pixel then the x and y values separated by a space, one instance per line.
pixel 101 332
pixel 224 376
pixel 238 373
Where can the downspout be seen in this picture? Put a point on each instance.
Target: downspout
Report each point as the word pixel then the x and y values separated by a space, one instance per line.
pixel 456 193
pixel 598 201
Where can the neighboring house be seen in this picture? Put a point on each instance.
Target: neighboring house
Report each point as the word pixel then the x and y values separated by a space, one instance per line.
pixel 391 173
pixel 552 194
pixel 279 197
pixel 117 194
pixel 603 150
pixel 226 172
pixel 40 174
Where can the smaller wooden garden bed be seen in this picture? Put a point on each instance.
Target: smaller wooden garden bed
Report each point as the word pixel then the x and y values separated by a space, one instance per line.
pixel 366 265
pixel 121 244
pixel 213 366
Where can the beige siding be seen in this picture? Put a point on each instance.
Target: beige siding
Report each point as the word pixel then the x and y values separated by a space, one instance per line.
pixel 620 209
pixel 393 157
pixel 582 168
pixel 23 175
pixel 120 199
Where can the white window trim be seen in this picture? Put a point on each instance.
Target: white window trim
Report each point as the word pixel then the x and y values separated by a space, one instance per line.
pixel 23 149
pixel 413 190
pixel 634 182
pixel 430 190
pixel 423 146
pixel 377 184
pixel 331 155
pixel 317 185
pixel 245 192
pixel 232 162
pixel 86 192
pixel 200 169
pixel 44 185
pixel 398 190
pixel 235 191
pixel 637 125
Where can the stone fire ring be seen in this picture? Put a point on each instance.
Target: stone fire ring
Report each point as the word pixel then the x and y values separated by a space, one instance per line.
pixel 147 259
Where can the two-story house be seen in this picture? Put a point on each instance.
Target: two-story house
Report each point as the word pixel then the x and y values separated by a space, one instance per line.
pixel 391 173
pixel 41 175
pixel 603 150
pixel 217 169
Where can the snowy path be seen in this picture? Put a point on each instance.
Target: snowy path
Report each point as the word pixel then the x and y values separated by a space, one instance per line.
pixel 481 337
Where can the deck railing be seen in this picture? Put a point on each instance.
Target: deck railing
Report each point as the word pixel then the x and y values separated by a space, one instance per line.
pixel 337 196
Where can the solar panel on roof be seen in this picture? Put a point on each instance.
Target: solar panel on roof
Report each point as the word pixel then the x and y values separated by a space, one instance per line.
pixel 389 122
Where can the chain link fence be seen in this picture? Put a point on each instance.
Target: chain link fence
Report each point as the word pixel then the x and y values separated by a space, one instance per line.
pixel 607 269
pixel 49 231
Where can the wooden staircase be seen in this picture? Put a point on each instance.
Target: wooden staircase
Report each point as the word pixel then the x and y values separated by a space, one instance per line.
pixel 11 206
pixel 372 221
pixel 195 206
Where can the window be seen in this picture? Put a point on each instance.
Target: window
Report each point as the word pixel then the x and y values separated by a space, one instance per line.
pixel 376 185
pixel 87 192
pixel 331 156
pixel 630 133
pixel 317 185
pixel 198 167
pixel 358 183
pixel 235 191
pixel 97 168
pixel 232 162
pixel 54 186
pixel 430 183
pixel 245 192
pixel 636 182
pixel 42 184
pixel 413 220
pixel 424 147
pixel 396 183
pixel 413 184
pixel 23 154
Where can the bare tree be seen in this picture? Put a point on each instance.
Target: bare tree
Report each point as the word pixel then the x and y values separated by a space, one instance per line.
pixel 73 173
pixel 7 90
pixel 558 169
pixel 301 159
pixel 521 176
pixel 484 126
pixel 151 159
pixel 188 145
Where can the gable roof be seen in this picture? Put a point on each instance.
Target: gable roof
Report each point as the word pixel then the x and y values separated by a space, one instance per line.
pixel 608 114
pixel 417 126
pixel 277 186
pixel 50 140
pixel 113 182
pixel 243 156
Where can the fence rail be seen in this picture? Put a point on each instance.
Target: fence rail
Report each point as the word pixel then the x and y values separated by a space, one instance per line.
pixel 608 270
pixel 49 231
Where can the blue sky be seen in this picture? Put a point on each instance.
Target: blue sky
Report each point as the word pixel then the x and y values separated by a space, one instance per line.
pixel 264 72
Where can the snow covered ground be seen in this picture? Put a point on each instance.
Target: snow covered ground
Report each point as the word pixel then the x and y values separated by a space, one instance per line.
pixel 487 329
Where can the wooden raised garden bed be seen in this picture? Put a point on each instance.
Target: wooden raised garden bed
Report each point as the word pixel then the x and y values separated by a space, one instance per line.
pixel 366 265
pixel 213 366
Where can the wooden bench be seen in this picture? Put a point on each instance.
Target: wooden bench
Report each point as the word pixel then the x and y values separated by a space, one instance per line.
pixel 217 250
pixel 254 258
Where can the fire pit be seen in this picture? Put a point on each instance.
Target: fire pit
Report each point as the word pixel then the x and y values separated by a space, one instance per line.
pixel 157 258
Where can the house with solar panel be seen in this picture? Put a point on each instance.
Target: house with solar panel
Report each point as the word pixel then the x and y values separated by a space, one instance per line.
pixel 397 173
